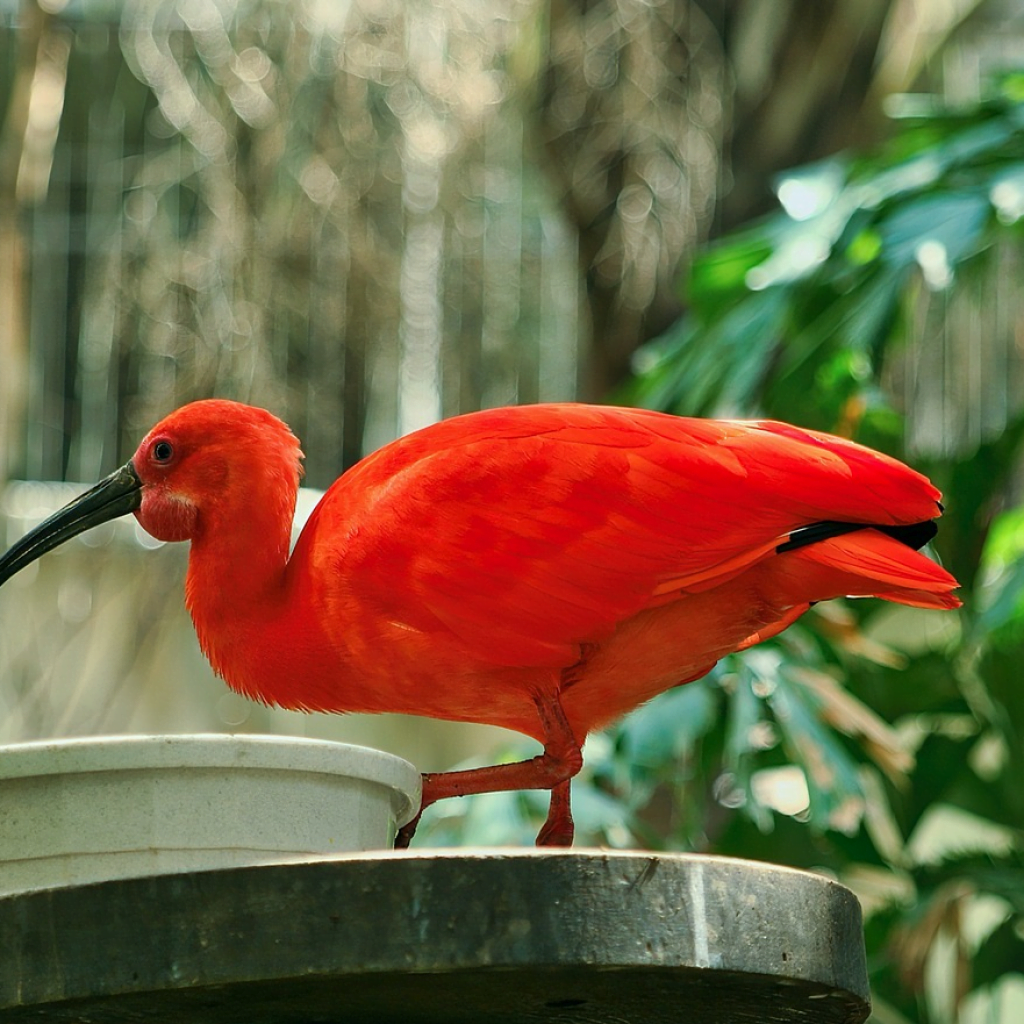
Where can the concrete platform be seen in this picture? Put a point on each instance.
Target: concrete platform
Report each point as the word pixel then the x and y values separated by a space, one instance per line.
pixel 504 936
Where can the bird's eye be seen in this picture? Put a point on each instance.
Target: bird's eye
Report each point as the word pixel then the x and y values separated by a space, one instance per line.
pixel 163 451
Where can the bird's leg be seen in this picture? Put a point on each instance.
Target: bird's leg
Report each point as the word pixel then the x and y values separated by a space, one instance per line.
pixel 561 760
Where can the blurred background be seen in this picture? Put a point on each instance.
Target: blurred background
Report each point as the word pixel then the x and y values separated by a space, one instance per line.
pixel 373 214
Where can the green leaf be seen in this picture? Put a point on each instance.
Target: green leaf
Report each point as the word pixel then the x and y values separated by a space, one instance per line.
pixel 832 774
pixel 597 813
pixel 865 248
pixel 698 370
pixel 721 271
pixel 669 727
pixel 950 220
pixel 745 712
pixel 1000 602
pixel 972 483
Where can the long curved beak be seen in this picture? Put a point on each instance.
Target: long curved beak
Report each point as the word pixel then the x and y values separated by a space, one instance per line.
pixel 114 496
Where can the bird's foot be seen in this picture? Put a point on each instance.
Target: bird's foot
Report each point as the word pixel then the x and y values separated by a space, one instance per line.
pixel 556 835
pixel 406 832
pixel 558 829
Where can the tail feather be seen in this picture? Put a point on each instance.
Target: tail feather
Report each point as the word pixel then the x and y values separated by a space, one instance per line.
pixel 870 563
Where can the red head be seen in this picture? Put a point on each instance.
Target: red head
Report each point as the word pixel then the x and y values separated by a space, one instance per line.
pixel 206 458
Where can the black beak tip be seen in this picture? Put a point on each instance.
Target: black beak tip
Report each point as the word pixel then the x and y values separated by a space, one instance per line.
pixel 114 496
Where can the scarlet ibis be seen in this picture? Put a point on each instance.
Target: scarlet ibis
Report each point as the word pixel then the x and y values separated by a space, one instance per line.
pixel 545 568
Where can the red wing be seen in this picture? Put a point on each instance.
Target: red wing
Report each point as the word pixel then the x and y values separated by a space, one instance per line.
pixel 527 532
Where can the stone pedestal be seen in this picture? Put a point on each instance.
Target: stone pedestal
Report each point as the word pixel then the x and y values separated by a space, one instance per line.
pixel 504 936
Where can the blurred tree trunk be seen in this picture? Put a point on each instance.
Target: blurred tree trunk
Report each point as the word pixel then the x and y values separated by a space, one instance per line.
pixel 665 122
pixel 802 79
pixel 810 80
pixel 14 137
pixel 632 111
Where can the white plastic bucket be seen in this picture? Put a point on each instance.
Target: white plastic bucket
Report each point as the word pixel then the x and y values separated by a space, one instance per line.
pixel 86 810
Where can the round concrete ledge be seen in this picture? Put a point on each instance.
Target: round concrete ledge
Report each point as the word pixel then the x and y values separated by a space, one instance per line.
pixel 505 936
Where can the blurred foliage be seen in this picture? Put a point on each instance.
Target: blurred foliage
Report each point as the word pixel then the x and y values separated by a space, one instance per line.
pixel 883 745
pixel 370 214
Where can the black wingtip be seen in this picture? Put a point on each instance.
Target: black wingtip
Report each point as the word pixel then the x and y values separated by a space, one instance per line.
pixel 914 535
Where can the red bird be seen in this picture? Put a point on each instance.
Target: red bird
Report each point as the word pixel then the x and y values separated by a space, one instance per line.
pixel 544 568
